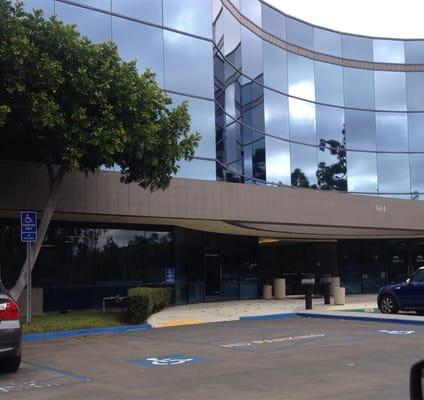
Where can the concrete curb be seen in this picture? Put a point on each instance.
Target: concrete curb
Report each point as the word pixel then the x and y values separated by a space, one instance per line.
pixel 32 337
pixel 269 316
pixel 342 316
pixel 352 317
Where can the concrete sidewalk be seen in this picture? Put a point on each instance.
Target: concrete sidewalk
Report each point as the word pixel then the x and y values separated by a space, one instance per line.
pixel 232 310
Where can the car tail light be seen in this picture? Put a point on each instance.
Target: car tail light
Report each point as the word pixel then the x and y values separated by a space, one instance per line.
pixel 9 310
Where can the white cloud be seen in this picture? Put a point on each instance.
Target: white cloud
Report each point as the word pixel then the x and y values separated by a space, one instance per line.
pixel 383 18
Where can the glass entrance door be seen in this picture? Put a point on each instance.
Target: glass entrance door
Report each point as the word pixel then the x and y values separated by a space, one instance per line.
pixel 213 272
pixel 398 260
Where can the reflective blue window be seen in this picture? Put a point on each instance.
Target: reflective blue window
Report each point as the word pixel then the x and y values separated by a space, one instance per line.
pixel 47 6
pixel 218 29
pixel 251 55
pixel 390 90
pixel 416 131
pixel 100 4
pixel 145 10
pixel 328 42
pixel 393 173
pixel 360 130
pixel 232 156
pixel 359 88
pixel 273 22
pixel 329 83
pixel 300 33
pixel 301 77
pixel 277 161
pixel 192 16
pixel 95 25
pixel 188 65
pixel 414 52
pixel 388 51
pixel 362 172
pixel 253 141
pixel 357 48
pixel 216 8
pixel 302 121
pixel 303 165
pixel 231 33
pixel 140 42
pixel 277 151
pixel 331 134
pixel 232 103
pixel 197 169
pixel 392 131
pixel 415 91
pixel 203 121
pixel 417 176
pixel 252 10
pixel 275 67
pixel 330 124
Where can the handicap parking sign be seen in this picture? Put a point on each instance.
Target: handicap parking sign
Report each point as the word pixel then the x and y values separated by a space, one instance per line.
pixel 28 226
pixel 170 275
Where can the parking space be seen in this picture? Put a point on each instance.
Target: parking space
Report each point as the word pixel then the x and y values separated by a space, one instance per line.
pixel 297 358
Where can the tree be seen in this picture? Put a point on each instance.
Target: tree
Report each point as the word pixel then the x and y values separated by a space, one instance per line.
pixel 299 179
pixel 333 176
pixel 69 104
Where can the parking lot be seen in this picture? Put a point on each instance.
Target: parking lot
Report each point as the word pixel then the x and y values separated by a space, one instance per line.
pixel 296 358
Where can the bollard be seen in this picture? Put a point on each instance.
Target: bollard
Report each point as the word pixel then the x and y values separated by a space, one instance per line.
pixel 339 296
pixel 267 292
pixel 308 281
pixel 279 288
pixel 335 282
pixel 325 281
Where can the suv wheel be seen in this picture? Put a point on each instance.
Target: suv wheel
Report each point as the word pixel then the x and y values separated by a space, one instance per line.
pixel 388 304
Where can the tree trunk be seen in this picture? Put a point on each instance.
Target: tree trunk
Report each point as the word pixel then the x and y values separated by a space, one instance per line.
pixel 55 183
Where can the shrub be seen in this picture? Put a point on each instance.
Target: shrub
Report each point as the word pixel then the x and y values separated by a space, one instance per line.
pixel 144 301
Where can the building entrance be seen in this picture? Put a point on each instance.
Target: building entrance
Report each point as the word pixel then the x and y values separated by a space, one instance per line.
pixel 213 276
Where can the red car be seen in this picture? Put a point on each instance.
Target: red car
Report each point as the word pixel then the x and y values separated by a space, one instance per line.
pixel 10 333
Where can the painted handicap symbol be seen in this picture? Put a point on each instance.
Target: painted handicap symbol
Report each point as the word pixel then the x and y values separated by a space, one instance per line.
pixel 168 361
pixel 396 332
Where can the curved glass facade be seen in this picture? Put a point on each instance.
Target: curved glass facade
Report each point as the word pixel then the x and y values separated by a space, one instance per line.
pixel 277 100
pixel 332 111
pixel 173 38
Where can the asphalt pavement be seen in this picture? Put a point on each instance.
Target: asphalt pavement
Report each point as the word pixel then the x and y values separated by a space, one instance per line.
pixel 293 358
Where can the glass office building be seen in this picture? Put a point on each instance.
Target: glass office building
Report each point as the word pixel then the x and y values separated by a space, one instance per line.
pixel 279 102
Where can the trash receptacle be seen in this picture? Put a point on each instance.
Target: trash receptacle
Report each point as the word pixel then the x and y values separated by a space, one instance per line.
pixel 339 296
pixel 279 288
pixel 308 282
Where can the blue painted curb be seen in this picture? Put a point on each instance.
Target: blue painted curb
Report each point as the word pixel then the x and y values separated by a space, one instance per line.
pixel 269 316
pixel 359 318
pixel 332 316
pixel 32 337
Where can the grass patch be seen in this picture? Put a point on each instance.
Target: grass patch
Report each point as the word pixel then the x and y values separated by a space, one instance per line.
pixel 53 322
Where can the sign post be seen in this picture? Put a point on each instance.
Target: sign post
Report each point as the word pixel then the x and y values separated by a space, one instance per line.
pixel 28 236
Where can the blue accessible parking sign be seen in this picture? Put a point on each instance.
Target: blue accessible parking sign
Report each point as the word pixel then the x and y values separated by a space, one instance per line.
pixel 28 226
pixel 170 275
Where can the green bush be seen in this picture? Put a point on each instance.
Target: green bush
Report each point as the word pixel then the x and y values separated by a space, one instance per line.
pixel 144 301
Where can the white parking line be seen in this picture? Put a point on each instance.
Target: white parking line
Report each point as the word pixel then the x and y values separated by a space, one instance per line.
pixel 274 340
